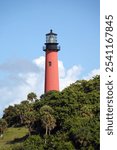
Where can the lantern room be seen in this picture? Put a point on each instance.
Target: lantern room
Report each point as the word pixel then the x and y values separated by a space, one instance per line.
pixel 51 42
pixel 51 37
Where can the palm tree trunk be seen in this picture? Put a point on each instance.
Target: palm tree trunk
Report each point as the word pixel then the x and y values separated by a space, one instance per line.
pixel 49 132
pixel 45 140
pixel 21 118
pixel 46 133
pixel 29 129
pixel 46 130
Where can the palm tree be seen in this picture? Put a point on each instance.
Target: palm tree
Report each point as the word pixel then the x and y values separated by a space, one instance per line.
pixel 48 120
pixel 31 97
pixel 27 114
pixel 29 119
pixel 20 111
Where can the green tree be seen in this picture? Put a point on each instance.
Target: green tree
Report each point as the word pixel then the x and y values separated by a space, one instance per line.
pixel 29 119
pixel 27 114
pixel 34 142
pixel 3 126
pixel 10 116
pixel 31 96
pixel 21 109
pixel 48 120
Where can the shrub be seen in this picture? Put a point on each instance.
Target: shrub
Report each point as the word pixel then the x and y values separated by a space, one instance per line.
pixel 34 143
pixel 18 147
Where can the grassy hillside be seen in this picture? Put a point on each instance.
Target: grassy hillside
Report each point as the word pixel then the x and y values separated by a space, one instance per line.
pixel 12 136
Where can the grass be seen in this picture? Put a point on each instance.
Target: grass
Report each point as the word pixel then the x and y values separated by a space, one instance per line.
pixel 12 136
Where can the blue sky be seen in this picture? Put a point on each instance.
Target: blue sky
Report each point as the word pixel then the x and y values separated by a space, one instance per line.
pixel 23 25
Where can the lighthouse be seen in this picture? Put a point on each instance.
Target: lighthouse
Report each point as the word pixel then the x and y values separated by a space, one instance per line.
pixel 51 49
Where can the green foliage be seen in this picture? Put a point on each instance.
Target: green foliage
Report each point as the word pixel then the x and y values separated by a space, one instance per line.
pixel 71 115
pixel 46 109
pixel 31 96
pixel 34 143
pixel 17 147
pixel 3 126
pixel 58 142
pixel 85 133
pixel 48 120
pixel 10 116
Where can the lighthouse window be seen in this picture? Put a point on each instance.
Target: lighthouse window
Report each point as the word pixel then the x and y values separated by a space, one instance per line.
pixel 50 63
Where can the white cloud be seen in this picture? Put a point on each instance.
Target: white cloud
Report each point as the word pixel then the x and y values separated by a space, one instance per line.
pixel 71 75
pixel 92 74
pixel 40 62
pixel 61 69
pixel 18 83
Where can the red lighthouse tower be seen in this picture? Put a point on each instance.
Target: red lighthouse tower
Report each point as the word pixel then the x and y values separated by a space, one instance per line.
pixel 51 62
